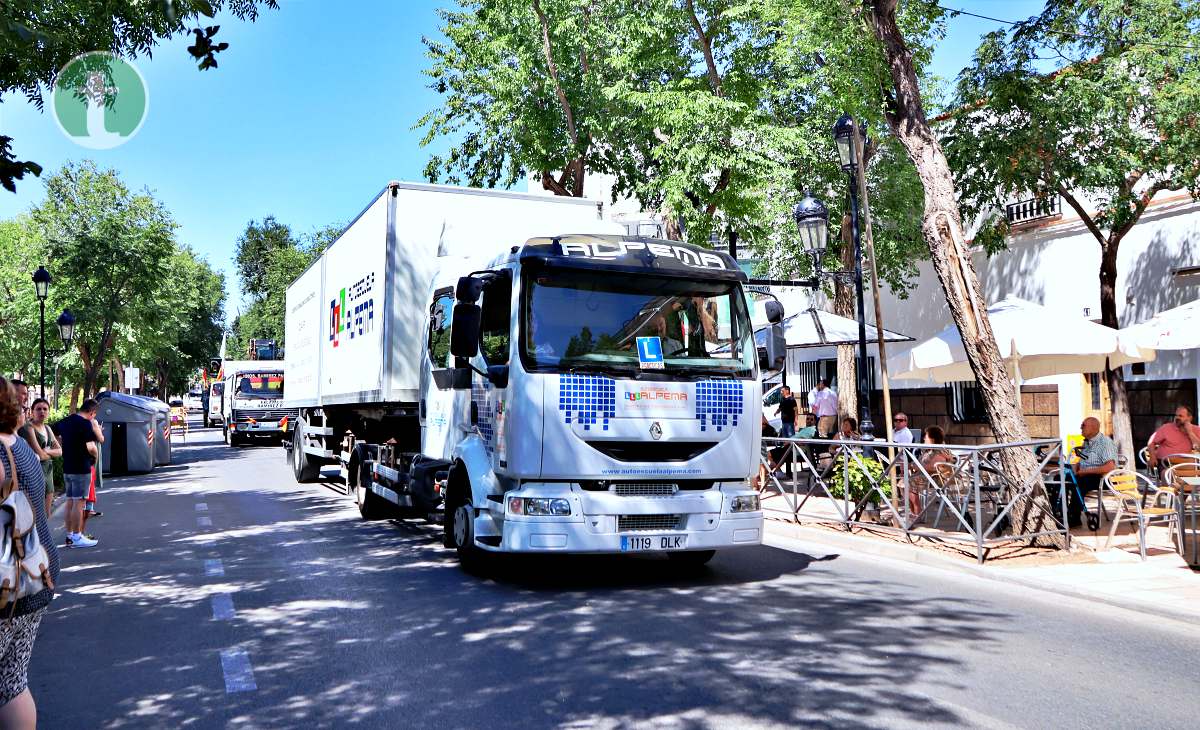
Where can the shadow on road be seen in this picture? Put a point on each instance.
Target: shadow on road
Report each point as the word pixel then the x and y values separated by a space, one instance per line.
pixel 349 623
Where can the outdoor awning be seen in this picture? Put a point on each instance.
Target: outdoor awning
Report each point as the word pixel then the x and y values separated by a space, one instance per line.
pixel 1035 341
pixel 1172 329
pixel 814 328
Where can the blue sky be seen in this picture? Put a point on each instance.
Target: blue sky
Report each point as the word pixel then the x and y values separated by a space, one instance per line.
pixel 309 114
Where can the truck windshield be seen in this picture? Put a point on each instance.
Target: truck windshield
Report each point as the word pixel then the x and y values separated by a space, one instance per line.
pixel 260 385
pixel 592 321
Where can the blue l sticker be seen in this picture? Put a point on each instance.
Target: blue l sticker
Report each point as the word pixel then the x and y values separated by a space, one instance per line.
pixel 650 353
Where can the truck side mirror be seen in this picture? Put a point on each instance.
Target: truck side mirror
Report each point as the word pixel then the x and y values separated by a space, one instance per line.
pixel 774 311
pixel 469 289
pixel 497 375
pixel 774 355
pixel 464 329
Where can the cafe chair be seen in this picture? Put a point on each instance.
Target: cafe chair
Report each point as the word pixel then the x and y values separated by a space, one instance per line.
pixel 1181 479
pixel 1131 490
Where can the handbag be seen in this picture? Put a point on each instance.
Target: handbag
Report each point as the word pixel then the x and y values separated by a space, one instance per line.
pixel 24 563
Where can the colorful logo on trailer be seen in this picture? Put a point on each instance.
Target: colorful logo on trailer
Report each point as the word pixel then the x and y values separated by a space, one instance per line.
pixel 352 314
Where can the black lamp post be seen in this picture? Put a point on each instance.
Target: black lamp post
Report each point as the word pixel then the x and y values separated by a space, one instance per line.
pixel 812 220
pixel 41 284
pixel 843 134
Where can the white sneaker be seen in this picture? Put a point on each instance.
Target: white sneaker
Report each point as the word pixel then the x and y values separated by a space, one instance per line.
pixel 82 541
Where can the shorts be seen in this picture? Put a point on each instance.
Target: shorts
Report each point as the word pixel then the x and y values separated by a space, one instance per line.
pixel 77 485
pixel 16 647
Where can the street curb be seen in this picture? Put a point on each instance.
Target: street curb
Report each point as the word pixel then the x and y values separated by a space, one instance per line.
pixel 912 554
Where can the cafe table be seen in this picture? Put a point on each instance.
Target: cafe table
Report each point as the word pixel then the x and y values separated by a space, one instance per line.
pixel 1189 491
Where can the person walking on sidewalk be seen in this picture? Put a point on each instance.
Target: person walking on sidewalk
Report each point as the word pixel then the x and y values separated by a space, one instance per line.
pixel 77 432
pixel 789 413
pixel 41 439
pixel 19 623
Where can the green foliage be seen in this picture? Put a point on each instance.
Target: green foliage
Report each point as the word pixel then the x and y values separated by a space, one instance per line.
pixel 137 294
pixel 269 258
pixel 861 477
pixel 715 113
pixel 39 37
pixel 1119 122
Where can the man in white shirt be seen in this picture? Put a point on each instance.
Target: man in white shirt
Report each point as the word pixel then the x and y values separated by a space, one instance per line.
pixel 901 433
pixel 824 404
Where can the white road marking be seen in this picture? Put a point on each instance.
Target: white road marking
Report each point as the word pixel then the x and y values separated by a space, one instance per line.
pixel 222 606
pixel 201 506
pixel 213 567
pixel 203 522
pixel 235 665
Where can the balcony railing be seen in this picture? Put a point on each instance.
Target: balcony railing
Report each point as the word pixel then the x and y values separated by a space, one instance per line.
pixel 1024 211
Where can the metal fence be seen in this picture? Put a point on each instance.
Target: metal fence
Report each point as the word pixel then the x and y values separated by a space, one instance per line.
pixel 896 487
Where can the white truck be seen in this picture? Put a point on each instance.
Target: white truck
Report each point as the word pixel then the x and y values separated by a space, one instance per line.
pixel 544 381
pixel 252 402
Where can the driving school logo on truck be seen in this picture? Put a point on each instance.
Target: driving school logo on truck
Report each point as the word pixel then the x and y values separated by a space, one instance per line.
pixel 353 311
pixel 612 251
pixel 659 397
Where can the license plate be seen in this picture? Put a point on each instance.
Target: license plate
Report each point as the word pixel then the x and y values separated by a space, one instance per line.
pixel 652 543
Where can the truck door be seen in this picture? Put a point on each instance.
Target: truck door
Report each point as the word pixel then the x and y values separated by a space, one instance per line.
pixel 437 397
pixel 495 348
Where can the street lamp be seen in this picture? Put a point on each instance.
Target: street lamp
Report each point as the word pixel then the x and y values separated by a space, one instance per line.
pixel 41 285
pixel 66 327
pixel 812 220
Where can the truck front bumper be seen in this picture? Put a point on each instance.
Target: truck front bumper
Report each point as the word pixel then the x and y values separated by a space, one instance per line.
pixel 625 525
pixel 259 429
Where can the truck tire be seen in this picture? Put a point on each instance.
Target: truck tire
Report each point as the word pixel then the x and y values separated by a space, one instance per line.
pixel 692 558
pixel 304 467
pixel 460 525
pixel 370 505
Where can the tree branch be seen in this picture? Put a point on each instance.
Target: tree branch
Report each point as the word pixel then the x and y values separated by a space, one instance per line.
pixel 1083 215
pixel 547 49
pixel 714 78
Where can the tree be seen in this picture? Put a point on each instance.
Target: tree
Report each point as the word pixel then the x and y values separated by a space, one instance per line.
pixel 21 252
pixel 110 250
pixel 1117 125
pixel 269 258
pixel 39 37
pixel 942 226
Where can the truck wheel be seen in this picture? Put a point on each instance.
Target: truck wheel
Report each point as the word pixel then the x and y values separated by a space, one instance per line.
pixel 370 505
pixel 692 558
pixel 460 524
pixel 304 467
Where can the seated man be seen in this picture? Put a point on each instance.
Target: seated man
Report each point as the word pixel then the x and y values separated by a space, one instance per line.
pixel 1180 436
pixel 810 427
pixel 1098 456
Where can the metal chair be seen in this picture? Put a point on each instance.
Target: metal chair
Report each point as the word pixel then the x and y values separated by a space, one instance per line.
pixel 1131 488
pixel 951 486
pixel 1177 479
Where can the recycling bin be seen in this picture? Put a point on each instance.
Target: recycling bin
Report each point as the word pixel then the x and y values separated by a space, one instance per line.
pixel 129 425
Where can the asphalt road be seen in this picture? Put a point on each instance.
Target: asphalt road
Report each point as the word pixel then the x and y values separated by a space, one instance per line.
pixel 314 618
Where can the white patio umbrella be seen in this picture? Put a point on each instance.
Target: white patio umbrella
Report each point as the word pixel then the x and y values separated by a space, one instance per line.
pixel 814 328
pixel 1172 329
pixel 1035 341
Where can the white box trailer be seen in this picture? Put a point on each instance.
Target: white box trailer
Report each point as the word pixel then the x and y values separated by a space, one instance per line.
pixel 369 287
pixel 603 397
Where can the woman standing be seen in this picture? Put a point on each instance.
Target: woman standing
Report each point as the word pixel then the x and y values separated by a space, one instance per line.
pixel 45 444
pixel 19 623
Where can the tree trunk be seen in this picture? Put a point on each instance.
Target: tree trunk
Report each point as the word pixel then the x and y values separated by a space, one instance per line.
pixel 1122 427
pixel 844 306
pixel 951 258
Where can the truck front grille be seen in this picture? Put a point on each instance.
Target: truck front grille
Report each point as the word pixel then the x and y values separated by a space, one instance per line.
pixel 643 489
pixel 272 416
pixel 641 523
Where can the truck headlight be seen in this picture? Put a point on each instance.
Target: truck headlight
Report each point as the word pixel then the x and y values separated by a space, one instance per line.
pixel 539 506
pixel 745 503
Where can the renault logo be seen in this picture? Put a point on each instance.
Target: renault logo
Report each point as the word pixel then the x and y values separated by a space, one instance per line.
pixel 656 430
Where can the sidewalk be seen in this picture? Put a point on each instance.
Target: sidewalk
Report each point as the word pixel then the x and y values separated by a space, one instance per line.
pixel 1162 586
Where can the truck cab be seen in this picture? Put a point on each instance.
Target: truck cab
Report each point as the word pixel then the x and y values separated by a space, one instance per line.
pixel 253 397
pixel 594 394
